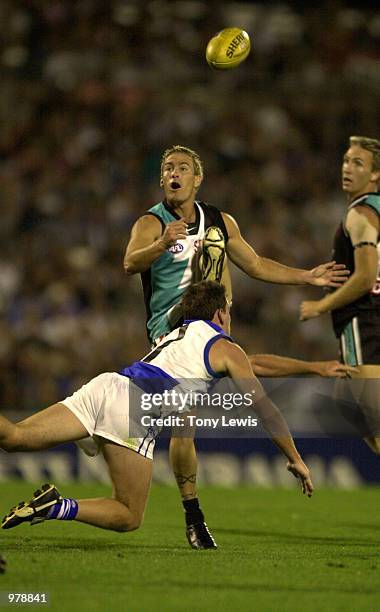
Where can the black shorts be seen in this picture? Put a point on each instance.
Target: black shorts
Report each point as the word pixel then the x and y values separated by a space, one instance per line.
pixel 360 341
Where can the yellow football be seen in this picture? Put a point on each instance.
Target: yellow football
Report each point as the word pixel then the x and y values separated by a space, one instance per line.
pixel 228 48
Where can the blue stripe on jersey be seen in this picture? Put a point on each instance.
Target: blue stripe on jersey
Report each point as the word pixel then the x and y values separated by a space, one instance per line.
pixel 206 353
pixel 148 377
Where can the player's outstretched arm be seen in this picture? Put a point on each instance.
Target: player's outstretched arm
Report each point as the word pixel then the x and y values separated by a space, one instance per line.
pixel 147 242
pixel 243 256
pixel 230 359
pixel 363 227
pixel 276 365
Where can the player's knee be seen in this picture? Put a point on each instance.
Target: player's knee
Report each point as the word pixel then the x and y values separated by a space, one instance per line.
pixel 12 442
pixel 130 523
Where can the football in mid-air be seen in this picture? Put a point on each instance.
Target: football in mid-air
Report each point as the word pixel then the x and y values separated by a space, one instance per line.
pixel 228 48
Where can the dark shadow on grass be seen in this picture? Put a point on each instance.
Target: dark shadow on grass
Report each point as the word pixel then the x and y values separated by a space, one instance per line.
pixel 58 545
pixel 298 539
pixel 373 527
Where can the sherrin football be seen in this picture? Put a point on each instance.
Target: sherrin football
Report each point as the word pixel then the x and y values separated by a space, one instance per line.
pixel 228 48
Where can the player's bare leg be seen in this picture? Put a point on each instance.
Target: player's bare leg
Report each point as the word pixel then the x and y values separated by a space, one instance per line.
pixel 49 427
pixel 370 402
pixel 183 460
pixel 131 476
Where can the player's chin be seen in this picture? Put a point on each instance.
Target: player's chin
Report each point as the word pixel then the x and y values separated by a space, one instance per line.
pixel 174 199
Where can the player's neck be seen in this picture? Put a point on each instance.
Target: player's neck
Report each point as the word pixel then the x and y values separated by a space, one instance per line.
pixel 354 196
pixel 185 210
pixel 351 197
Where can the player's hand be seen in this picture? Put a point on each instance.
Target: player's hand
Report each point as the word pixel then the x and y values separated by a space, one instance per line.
pixel 334 369
pixel 309 310
pixel 329 274
pixel 300 470
pixel 176 230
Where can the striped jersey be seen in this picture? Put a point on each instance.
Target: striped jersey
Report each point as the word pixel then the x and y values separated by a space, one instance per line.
pixel 343 252
pixel 170 275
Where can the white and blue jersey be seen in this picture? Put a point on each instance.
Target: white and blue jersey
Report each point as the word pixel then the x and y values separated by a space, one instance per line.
pixel 182 354
pixel 109 406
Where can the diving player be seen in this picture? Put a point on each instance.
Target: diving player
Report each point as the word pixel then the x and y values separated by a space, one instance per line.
pixel 103 408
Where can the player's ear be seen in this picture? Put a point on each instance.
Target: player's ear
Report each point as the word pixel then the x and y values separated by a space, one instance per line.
pixel 221 316
pixel 161 182
pixel 197 180
pixel 375 176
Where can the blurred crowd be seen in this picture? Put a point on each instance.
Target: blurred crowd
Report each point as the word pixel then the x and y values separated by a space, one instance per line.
pixel 92 91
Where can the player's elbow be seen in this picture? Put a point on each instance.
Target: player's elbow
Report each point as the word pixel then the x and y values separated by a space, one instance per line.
pixel 12 444
pixel 367 281
pixel 129 267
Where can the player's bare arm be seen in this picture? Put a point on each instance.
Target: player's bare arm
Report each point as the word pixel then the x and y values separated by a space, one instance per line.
pixel 230 359
pixel 243 256
pixel 276 365
pixel 147 242
pixel 363 227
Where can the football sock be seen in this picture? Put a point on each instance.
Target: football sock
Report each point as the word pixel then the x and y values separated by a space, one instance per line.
pixel 64 510
pixel 193 513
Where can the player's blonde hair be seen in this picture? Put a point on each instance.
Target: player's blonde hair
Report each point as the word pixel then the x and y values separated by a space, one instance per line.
pixel 197 162
pixel 369 144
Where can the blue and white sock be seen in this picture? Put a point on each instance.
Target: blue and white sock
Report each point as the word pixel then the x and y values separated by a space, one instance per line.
pixel 64 510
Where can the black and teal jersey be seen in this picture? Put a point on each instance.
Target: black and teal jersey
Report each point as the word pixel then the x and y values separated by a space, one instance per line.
pixel 170 275
pixel 367 305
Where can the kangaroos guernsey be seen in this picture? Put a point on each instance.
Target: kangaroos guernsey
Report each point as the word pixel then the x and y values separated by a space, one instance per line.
pixel 182 354
pixel 180 360
pixel 169 276
pixel 364 312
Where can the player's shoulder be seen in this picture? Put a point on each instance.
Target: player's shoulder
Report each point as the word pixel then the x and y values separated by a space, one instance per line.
pixel 156 217
pixel 373 201
pixel 227 345
pixel 367 201
pixel 225 355
pixel 362 214
pixel 148 223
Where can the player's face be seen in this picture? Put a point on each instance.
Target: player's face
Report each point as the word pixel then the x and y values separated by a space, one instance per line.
pixel 358 176
pixel 179 180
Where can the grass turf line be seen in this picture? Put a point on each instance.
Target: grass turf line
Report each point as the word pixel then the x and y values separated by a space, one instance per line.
pixel 277 551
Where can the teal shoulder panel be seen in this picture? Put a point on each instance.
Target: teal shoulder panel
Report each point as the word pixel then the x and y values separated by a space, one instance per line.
pixel 374 202
pixel 161 211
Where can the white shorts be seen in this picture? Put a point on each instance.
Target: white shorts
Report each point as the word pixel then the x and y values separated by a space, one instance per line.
pixel 102 406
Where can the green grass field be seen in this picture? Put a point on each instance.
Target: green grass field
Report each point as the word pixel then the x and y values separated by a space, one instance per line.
pixel 278 551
